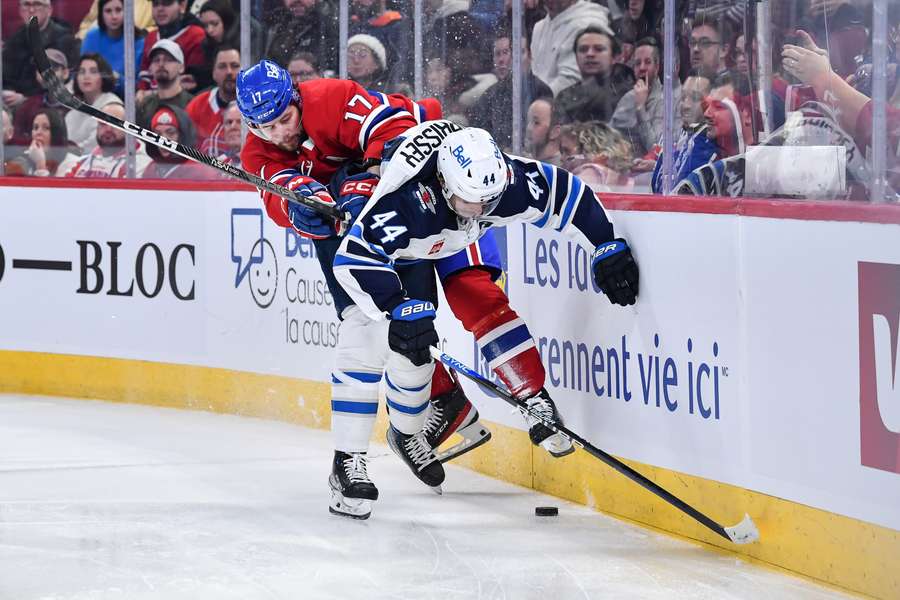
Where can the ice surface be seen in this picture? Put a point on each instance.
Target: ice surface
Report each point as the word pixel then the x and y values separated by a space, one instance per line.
pixel 103 501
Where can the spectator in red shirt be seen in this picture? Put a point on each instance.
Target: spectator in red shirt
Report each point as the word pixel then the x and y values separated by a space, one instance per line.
pixel 109 158
pixel 205 110
pixel 854 110
pixel 227 146
pixel 174 124
pixel 184 29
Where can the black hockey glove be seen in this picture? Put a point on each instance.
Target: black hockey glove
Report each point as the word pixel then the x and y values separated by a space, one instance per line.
pixel 615 272
pixel 411 331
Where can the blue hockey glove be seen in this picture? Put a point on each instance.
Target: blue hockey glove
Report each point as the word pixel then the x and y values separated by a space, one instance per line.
pixel 615 272
pixel 411 331
pixel 354 192
pixel 307 221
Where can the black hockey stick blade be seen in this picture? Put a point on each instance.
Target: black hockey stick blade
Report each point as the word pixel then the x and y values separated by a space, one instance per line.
pixel 58 91
pixel 744 532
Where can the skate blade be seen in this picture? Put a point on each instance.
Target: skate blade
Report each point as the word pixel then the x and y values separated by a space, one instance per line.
pixel 354 508
pixel 473 436
pixel 558 445
pixel 437 490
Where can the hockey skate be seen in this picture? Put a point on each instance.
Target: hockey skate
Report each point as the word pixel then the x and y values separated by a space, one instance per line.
pixel 451 413
pixel 556 444
pixel 418 456
pixel 352 492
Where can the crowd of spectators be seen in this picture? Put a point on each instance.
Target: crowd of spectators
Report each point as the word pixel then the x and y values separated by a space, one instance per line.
pixel 592 94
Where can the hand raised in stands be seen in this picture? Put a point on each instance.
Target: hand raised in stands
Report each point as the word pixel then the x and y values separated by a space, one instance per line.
pixel 808 63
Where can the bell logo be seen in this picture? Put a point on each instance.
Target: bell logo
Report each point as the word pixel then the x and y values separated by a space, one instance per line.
pixel 879 367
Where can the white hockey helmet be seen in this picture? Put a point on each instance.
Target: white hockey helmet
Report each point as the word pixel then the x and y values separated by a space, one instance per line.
pixel 471 166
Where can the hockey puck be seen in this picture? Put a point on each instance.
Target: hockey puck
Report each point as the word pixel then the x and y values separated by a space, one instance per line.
pixel 546 511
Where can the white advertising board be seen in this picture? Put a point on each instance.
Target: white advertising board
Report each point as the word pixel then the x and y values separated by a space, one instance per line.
pixel 761 353
pixel 741 361
pixel 180 277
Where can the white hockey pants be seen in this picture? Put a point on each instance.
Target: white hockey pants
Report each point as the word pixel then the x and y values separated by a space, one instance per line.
pixel 362 357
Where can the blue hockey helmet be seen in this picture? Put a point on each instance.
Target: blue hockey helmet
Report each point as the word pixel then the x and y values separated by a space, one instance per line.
pixel 264 91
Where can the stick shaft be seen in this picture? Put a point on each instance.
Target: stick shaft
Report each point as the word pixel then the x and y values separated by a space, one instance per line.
pixel 610 460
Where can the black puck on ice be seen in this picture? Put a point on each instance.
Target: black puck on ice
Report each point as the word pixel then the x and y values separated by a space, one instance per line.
pixel 546 511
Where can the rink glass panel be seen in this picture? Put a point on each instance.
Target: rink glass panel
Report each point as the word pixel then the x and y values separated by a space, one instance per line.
pixel 752 110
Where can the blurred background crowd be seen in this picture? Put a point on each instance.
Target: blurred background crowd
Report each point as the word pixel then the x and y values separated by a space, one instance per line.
pixel 753 112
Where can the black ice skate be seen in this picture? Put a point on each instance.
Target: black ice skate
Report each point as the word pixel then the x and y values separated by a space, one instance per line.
pixel 418 456
pixel 352 492
pixel 556 444
pixel 453 413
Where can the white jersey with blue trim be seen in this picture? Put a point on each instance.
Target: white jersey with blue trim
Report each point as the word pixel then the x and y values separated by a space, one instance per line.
pixel 414 222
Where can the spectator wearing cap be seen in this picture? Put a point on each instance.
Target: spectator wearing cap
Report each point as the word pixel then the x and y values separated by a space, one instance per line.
pixel 641 112
pixel 603 80
pixel 304 26
pixel 552 42
pixel 107 39
pixel 205 110
pixel 109 158
pixel 493 111
pixel 367 61
pixel 174 124
pixel 166 66
pixel 19 70
pixel 176 25
pixel 94 82
pixel 29 108
pixel 372 17
pixel 143 17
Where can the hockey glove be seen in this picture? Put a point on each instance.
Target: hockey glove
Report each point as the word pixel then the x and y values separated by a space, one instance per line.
pixel 307 221
pixel 615 272
pixel 354 193
pixel 411 331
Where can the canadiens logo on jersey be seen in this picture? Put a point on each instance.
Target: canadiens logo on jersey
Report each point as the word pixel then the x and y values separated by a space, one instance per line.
pixel 425 196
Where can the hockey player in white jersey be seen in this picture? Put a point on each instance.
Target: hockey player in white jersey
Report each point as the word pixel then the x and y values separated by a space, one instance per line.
pixel 448 194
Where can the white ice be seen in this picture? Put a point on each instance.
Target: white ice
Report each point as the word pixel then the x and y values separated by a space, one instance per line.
pixel 110 501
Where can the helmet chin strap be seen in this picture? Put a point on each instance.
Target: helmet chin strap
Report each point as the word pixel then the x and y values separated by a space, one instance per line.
pixel 258 132
pixel 255 130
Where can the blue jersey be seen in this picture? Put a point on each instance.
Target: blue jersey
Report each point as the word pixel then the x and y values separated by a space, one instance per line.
pixel 415 223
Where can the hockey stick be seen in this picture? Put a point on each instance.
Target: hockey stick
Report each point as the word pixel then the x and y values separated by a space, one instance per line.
pixel 62 95
pixel 744 532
